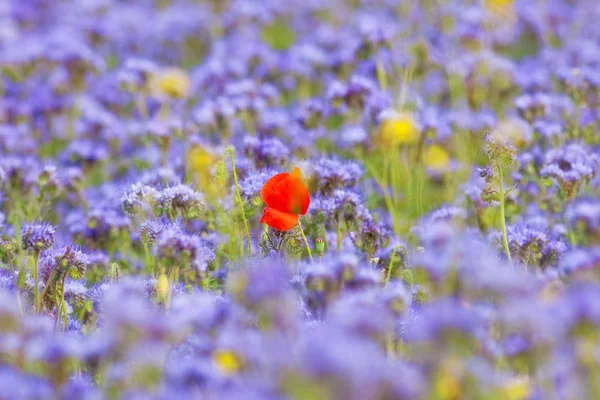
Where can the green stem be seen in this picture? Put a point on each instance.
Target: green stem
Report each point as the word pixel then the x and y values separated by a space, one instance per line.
pixel 205 283
pixel 306 242
pixel 58 312
pixel 239 199
pixel 149 259
pixel 36 257
pixel 389 202
pixel 381 77
pixel 502 215
pixel 172 277
pixel 570 233
pixel 389 272
pixel 164 148
pixel 65 316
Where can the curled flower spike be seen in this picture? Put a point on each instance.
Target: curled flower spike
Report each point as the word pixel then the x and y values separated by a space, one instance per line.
pixel 285 196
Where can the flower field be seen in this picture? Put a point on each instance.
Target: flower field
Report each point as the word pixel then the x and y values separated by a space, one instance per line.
pixel 300 199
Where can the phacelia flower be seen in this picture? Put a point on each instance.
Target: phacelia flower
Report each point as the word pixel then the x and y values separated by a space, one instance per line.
pixel 285 196
pixel 173 247
pixel 268 152
pixel 331 174
pixel 584 216
pixel 250 185
pixel 137 198
pixel 38 236
pixel 571 166
pixel 180 199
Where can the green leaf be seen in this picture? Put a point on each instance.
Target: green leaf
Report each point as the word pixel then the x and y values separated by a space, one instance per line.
pixel 334 122
pixel 407 277
pixel 279 35
pixel 21 279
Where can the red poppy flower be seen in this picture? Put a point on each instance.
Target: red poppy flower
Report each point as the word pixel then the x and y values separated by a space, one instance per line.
pixel 285 196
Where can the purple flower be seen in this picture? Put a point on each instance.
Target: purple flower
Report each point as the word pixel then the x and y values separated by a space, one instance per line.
pixel 352 94
pixel 579 307
pixel 135 74
pixel 578 261
pixel 38 236
pixel 85 152
pixel 267 152
pixel 151 229
pixel 584 215
pixel 331 174
pixel 311 113
pixel 180 200
pixel 533 244
pixel 342 206
pixel 19 385
pixel 442 318
pixel 250 185
pixel 175 248
pixel 571 166
pixel 138 198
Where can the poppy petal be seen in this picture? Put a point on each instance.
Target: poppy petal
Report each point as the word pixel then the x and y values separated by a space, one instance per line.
pixel 270 194
pixel 300 196
pixel 279 220
pixel 292 196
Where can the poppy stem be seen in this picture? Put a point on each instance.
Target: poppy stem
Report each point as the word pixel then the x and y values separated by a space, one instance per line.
pixel 239 199
pixel 502 213
pixel 306 242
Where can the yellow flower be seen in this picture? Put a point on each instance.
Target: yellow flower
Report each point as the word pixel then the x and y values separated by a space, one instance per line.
pixel 437 158
pixel 199 161
pixel 226 361
pixel 172 82
pixel 515 130
pixel 398 129
pixel 499 6
pixel 200 158
pixel 517 389
pixel 447 387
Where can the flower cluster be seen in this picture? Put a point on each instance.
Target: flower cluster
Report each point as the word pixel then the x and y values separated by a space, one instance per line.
pixel 299 199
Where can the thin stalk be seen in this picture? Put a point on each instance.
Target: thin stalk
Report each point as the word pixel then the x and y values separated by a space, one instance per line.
pixel 390 346
pixel 381 76
pixel 205 283
pixel 502 215
pixel 239 199
pixel 164 148
pixel 149 259
pixel 65 316
pixel 306 242
pixel 570 233
pixel 47 284
pixel 36 278
pixel 56 317
pixel 389 202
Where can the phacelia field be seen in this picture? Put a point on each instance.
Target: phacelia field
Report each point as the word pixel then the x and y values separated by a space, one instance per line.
pixel 300 199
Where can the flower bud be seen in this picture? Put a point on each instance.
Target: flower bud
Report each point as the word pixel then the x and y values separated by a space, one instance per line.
pixel 162 286
pixel 319 245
